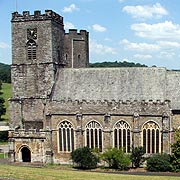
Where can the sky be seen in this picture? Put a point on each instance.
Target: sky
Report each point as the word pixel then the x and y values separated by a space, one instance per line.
pixel 139 31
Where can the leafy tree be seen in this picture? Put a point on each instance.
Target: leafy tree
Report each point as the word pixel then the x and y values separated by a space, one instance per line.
pixel 175 157
pixel 5 73
pixel 2 108
pixel 116 159
pixel 159 163
pixel 116 64
pixel 137 156
pixel 84 158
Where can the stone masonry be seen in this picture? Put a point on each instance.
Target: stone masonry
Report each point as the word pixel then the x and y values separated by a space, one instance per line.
pixel 59 104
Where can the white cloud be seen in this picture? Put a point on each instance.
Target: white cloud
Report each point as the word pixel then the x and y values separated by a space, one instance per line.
pixel 167 55
pixel 169 44
pixel 68 25
pixel 143 56
pixel 70 8
pixel 4 45
pixel 98 28
pixel 165 30
pixel 146 12
pixel 140 47
pixel 100 48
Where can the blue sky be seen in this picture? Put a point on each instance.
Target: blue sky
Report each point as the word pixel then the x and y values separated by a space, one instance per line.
pixel 144 31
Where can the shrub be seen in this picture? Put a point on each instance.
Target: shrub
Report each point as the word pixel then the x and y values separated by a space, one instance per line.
pixel 137 156
pixel 175 158
pixel 84 158
pixel 3 136
pixel 116 159
pixel 159 163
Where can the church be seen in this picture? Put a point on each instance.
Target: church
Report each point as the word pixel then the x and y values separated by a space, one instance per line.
pixel 60 104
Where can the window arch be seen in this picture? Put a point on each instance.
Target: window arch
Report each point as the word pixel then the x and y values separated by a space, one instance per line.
pixel 66 58
pixel 122 136
pixel 94 135
pixel 66 136
pixel 79 59
pixel 151 137
pixel 31 49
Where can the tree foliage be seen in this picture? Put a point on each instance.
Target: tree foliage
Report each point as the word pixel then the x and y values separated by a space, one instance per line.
pixel 84 158
pixel 137 156
pixel 2 101
pixel 2 107
pixel 116 64
pixel 175 157
pixel 5 73
pixel 159 163
pixel 116 159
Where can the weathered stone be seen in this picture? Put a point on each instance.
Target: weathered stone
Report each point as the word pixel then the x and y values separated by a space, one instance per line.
pixel 52 99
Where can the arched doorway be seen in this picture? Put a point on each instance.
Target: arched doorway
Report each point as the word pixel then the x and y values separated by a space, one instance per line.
pixel 26 154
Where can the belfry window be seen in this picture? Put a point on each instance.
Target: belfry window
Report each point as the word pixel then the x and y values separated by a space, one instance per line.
pixel 66 137
pixel 122 136
pixel 79 59
pixel 94 135
pixel 151 137
pixel 31 49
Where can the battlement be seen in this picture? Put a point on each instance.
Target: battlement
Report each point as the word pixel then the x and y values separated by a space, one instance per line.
pixel 114 102
pixel 31 133
pixel 37 16
pixel 74 32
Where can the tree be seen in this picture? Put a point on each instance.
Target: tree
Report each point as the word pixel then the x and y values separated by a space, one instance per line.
pixel 84 158
pixel 2 108
pixel 175 157
pixel 137 156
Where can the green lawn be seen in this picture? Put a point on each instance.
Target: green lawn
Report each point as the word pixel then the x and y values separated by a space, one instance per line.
pixel 28 173
pixel 6 90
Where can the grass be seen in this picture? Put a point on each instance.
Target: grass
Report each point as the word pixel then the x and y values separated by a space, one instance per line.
pixel 3 155
pixel 29 173
pixel 6 94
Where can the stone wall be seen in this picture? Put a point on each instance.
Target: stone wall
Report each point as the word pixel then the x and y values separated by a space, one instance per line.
pixel 107 113
pixel 76 48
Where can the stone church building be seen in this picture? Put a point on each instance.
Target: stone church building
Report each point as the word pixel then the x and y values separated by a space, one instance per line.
pixel 59 104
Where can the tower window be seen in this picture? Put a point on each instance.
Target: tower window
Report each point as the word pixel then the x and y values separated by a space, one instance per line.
pixel 31 49
pixel 79 59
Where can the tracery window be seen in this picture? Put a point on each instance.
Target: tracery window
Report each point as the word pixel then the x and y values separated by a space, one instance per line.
pixel 31 49
pixel 66 137
pixel 151 137
pixel 122 136
pixel 94 135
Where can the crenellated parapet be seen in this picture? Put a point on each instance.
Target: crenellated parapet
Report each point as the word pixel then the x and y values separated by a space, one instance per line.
pixel 112 107
pixel 37 16
pixel 30 134
pixel 74 32
pixel 113 102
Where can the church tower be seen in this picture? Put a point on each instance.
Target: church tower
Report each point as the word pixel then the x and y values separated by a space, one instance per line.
pixel 37 53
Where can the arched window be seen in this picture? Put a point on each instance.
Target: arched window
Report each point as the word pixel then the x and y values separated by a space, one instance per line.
pixel 94 135
pixel 79 59
pixel 66 137
pixel 151 137
pixel 66 58
pixel 31 49
pixel 122 136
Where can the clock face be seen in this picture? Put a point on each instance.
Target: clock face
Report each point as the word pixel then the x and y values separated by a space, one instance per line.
pixel 32 33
